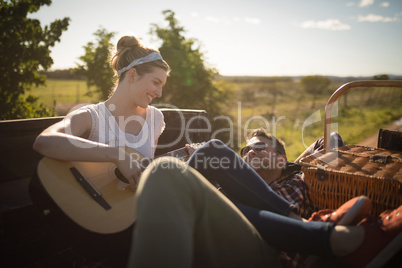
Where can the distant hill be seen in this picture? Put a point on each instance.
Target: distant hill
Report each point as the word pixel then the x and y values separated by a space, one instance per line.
pixel 354 78
pixel 66 74
pixel 336 79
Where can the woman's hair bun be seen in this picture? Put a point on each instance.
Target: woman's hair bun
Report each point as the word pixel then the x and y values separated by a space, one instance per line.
pixel 127 42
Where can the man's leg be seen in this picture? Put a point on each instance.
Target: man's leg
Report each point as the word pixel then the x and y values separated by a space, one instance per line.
pixel 335 142
pixel 284 233
pixel 217 162
pixel 183 221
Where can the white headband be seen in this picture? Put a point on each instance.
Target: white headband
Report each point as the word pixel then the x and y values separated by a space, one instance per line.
pixel 153 56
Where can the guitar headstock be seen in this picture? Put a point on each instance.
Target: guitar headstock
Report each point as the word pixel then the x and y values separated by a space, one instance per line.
pixel 191 149
pixel 195 146
pixel 184 153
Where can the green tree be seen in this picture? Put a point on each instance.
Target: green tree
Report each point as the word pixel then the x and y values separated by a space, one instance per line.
pixel 191 84
pixel 24 49
pixel 315 85
pixel 96 67
pixel 381 77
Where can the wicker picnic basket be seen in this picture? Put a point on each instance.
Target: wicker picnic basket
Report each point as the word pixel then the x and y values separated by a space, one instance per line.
pixel 336 175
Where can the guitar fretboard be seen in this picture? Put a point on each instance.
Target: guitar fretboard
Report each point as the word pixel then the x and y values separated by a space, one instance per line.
pixel 181 154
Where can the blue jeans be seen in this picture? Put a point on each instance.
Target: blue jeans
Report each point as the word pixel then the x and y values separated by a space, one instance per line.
pixel 265 209
pixel 217 162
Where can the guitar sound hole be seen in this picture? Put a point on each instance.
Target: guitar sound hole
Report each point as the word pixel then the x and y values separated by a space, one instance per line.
pixel 120 176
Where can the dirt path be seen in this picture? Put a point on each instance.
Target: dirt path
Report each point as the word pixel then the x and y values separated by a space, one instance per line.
pixel 373 140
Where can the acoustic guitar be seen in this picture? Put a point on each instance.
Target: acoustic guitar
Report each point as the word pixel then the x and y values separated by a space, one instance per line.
pixel 93 194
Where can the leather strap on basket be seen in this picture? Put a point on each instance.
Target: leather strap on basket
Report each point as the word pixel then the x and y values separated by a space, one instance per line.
pixel 321 174
pixel 381 158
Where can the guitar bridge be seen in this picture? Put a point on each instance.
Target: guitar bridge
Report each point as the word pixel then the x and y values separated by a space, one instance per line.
pixel 90 189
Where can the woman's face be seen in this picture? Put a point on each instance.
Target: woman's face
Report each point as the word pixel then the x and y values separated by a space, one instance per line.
pixel 149 86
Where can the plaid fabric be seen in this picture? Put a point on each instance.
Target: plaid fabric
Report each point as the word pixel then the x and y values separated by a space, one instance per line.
pixel 293 188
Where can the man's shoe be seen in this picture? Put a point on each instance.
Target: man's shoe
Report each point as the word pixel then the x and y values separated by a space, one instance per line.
pixel 350 213
pixel 382 240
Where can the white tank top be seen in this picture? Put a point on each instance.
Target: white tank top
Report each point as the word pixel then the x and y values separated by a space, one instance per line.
pixel 106 130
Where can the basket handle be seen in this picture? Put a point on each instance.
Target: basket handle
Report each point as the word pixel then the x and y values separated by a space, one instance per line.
pixel 342 89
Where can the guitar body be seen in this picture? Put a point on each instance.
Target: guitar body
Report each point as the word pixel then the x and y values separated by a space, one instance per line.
pixel 76 203
pixel 75 214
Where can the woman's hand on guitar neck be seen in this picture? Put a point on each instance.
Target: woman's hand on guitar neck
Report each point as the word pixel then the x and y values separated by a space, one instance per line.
pixel 190 149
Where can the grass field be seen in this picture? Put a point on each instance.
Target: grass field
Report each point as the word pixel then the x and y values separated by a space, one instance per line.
pixel 62 95
pixel 291 116
pixel 359 114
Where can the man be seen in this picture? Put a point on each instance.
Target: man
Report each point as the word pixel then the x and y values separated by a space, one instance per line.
pixel 266 154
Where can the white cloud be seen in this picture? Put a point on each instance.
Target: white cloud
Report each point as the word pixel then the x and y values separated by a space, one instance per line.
pixel 376 18
pixel 366 3
pixel 194 14
pixel 252 20
pixel 329 24
pixel 385 4
pixel 350 4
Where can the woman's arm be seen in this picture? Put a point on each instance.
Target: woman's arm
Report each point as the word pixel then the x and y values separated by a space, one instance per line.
pixel 67 140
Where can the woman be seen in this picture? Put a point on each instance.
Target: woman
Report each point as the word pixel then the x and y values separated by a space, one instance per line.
pixel 95 132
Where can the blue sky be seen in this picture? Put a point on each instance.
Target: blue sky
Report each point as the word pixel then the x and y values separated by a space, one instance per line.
pixel 252 37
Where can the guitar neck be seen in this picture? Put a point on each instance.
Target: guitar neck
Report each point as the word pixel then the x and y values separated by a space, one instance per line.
pixel 181 153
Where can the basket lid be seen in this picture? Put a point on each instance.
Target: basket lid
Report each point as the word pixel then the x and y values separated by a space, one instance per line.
pixel 358 160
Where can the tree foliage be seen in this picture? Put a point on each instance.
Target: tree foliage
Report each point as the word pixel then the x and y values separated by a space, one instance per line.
pixel 381 77
pixel 96 67
pixel 24 49
pixel 315 85
pixel 191 83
